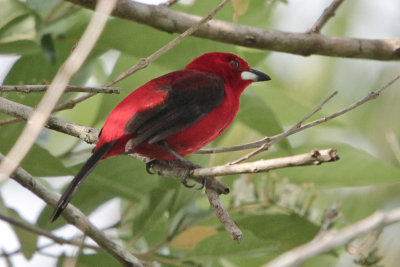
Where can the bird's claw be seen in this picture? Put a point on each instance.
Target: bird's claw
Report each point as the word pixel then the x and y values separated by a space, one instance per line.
pixel 149 165
pixel 184 178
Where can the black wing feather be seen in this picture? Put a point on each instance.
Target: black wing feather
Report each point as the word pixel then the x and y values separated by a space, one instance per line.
pixel 184 106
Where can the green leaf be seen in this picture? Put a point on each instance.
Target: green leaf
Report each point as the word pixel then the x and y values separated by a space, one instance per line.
pixel 152 209
pixel 257 115
pixel 38 162
pixel 48 48
pixel 99 259
pixel 355 168
pixel 27 239
pixel 17 22
pixel 265 237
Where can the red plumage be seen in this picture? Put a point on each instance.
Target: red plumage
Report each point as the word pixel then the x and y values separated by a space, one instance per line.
pixel 185 109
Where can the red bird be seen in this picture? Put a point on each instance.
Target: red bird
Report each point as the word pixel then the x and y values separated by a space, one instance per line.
pixel 173 115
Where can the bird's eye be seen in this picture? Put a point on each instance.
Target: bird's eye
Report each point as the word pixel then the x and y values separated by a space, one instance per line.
pixel 235 63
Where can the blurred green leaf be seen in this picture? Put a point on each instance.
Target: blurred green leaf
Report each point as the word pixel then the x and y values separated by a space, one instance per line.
pixel 26 238
pixel 355 168
pixel 257 115
pixel 38 162
pixel 100 259
pixel 152 209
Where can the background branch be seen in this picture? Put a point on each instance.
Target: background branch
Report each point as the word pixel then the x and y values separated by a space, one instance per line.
pixel 333 239
pixel 328 13
pixel 41 232
pixel 68 88
pixel 75 217
pixel 166 19
pixel 268 141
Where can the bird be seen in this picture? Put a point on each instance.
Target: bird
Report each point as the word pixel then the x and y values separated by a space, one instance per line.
pixel 173 115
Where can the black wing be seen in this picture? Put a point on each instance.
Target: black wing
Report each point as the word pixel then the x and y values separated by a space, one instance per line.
pixel 189 99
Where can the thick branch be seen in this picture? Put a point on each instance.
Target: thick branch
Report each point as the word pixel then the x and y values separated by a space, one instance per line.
pixel 69 88
pixel 166 19
pixel 333 239
pixel 76 217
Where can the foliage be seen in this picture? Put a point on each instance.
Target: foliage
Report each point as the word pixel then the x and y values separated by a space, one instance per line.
pixel 165 222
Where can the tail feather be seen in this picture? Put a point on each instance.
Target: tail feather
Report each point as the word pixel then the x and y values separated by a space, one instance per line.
pixel 90 164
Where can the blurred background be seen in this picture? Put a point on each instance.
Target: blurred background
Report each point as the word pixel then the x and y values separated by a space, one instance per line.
pixel 157 218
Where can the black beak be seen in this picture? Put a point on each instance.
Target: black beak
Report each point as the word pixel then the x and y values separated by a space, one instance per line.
pixel 255 75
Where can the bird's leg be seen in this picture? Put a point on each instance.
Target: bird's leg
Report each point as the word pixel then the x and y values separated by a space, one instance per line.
pixel 188 164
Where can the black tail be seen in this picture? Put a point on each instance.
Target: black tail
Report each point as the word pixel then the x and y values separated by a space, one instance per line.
pixel 90 164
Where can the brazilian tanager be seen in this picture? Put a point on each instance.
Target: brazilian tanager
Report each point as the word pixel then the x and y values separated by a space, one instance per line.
pixel 181 111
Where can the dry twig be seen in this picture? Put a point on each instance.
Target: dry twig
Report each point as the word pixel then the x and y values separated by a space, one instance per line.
pixel 68 88
pixel 333 239
pixel 328 13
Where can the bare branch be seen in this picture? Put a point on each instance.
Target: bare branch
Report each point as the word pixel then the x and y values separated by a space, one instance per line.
pixel 314 157
pixel 20 111
pixel 67 70
pixel 333 239
pixel 328 13
pixel 170 2
pixel 75 217
pixel 69 88
pixel 267 145
pixel 166 19
pixel 273 139
pixel 230 225
pixel 41 232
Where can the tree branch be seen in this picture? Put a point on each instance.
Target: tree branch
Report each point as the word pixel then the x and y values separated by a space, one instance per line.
pixel 69 88
pixel 41 232
pixel 333 239
pixel 328 13
pixel 87 134
pixel 222 214
pixel 75 217
pixel 166 19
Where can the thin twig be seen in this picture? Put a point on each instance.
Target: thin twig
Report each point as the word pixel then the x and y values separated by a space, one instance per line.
pixel 170 3
pixel 328 13
pixel 293 129
pixel 69 88
pixel 20 111
pixel 333 239
pixel 272 139
pixel 67 70
pixel 30 228
pixel 75 217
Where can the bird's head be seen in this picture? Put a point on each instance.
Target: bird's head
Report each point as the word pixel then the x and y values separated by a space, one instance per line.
pixel 235 72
